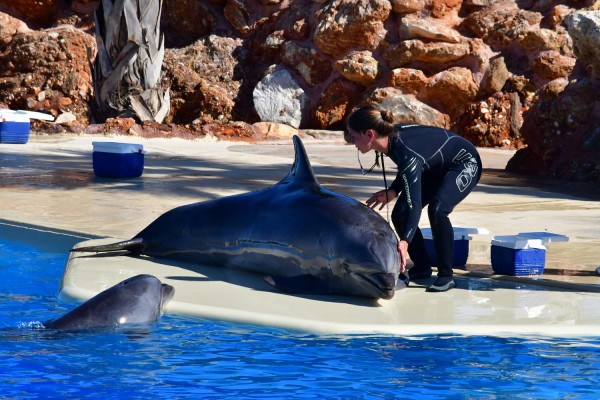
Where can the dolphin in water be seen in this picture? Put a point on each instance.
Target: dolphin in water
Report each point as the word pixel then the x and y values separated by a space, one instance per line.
pixel 304 238
pixel 137 300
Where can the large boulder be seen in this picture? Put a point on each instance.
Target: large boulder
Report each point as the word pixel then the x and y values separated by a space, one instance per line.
pixel 563 134
pixel 306 61
pixel 493 122
pixel 47 70
pixel 501 23
pixel 36 13
pixel 408 80
pixel 344 25
pixel 406 108
pixel 186 21
pixel 584 28
pixel 417 51
pixel 204 80
pixel 279 98
pixel 417 27
pixel 336 102
pixel 451 90
pixel 359 67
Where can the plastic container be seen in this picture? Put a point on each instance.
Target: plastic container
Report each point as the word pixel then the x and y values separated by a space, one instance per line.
pixel 518 255
pixel 15 132
pixel 118 160
pixel 461 244
pixel 15 125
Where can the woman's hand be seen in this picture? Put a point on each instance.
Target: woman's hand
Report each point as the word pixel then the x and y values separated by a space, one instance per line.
pixel 381 199
pixel 403 250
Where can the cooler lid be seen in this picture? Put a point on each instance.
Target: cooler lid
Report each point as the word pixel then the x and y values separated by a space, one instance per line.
pixel 545 237
pixel 118 147
pixel 517 242
pixel 23 115
pixel 460 232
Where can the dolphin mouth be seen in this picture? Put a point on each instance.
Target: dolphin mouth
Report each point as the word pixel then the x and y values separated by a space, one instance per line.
pixel 383 283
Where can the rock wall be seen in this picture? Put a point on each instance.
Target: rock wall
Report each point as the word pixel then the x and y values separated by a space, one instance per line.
pixel 519 74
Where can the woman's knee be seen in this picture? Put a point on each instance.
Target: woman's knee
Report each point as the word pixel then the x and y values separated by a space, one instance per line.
pixel 438 209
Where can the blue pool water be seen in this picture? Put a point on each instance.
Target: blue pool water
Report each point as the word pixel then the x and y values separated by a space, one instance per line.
pixel 182 357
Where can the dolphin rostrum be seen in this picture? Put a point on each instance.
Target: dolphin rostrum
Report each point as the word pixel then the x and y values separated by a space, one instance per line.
pixel 137 300
pixel 304 238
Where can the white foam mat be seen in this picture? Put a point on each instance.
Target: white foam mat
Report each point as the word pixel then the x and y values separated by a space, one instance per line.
pixel 478 306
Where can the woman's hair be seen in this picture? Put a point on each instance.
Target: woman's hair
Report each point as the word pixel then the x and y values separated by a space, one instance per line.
pixel 368 117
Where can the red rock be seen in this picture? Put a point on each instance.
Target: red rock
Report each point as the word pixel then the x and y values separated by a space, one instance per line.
pixel 202 89
pixel 359 67
pixel 562 134
pixel 545 39
pixel 452 90
pixel 406 108
pixel 501 23
pixel 362 26
pixel 186 21
pixel 307 62
pixel 493 122
pixel 550 65
pixel 408 80
pixel 9 26
pixel 417 27
pixel 55 61
pixel 36 13
pixel 408 6
pixel 498 75
pixel 414 51
pixel 441 8
pixel 335 104
pixel 236 13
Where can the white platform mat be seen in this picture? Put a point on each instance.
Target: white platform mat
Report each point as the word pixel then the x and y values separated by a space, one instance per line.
pixel 476 307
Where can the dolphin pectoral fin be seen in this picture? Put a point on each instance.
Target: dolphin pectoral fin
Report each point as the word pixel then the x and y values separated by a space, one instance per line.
pixel 301 284
pixel 134 245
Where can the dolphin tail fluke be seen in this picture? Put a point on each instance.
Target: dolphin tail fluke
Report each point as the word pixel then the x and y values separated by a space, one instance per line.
pixel 133 245
pixel 302 284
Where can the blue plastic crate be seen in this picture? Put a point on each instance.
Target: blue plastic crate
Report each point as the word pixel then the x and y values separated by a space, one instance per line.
pixel 16 132
pixel 118 160
pixel 516 255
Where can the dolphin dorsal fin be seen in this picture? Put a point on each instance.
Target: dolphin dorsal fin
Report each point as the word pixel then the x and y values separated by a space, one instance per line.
pixel 301 169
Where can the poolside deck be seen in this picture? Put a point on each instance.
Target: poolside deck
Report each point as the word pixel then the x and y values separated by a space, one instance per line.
pixel 49 182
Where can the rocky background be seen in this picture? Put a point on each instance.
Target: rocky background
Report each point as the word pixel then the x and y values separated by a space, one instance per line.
pixel 517 74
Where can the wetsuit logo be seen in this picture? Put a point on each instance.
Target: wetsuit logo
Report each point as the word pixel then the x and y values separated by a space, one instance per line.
pixel 407 191
pixel 464 179
pixel 462 156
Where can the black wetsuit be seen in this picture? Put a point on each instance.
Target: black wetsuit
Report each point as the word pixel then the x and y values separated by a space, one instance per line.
pixel 438 168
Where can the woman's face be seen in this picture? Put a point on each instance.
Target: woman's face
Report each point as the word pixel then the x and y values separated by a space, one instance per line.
pixel 362 141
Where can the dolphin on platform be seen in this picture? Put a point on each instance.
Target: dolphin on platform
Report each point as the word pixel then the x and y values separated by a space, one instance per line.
pixel 304 238
pixel 137 300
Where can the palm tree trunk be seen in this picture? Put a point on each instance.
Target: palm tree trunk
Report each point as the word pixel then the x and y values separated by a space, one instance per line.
pixel 127 74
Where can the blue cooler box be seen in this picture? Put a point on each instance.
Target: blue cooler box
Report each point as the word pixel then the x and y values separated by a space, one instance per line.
pixel 16 132
pixel 15 124
pixel 118 160
pixel 517 255
pixel 461 245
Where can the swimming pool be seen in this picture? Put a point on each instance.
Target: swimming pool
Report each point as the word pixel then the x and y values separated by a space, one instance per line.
pixel 181 357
